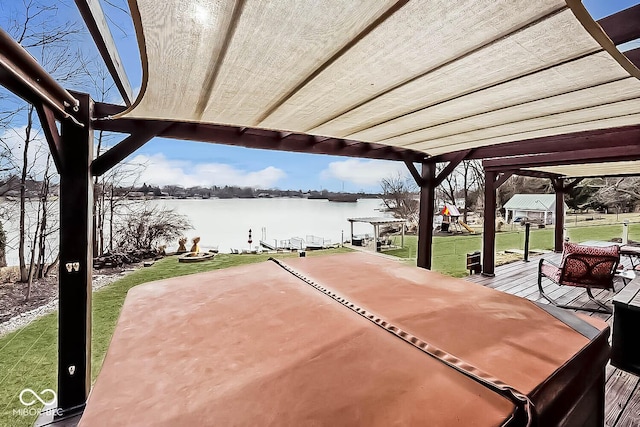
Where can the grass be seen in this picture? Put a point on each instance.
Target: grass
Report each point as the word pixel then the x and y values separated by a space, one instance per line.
pixel 449 252
pixel 28 356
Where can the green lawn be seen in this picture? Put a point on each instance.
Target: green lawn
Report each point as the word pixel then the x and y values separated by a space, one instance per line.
pixel 28 356
pixel 449 252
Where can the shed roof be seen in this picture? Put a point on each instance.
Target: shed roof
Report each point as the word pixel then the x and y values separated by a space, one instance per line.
pixel 434 76
pixel 532 202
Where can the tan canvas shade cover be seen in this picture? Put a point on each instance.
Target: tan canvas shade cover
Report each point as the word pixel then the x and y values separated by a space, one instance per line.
pixel 593 170
pixel 435 76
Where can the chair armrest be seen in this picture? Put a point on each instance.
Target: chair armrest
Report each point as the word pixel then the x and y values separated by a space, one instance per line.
pixel 548 262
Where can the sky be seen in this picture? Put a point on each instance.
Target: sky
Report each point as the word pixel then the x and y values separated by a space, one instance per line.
pixel 202 164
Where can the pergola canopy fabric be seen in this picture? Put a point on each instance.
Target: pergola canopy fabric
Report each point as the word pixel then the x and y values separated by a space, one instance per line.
pixel 434 76
pixel 594 169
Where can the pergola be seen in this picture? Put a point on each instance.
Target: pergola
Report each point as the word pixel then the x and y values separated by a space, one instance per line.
pixel 376 222
pixel 536 88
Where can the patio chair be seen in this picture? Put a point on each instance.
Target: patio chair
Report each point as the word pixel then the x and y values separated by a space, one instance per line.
pixel 583 266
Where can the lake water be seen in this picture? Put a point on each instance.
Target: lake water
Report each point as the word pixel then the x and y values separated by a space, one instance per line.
pixel 225 223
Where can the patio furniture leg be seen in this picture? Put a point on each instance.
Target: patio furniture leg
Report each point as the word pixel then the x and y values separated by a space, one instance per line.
pixel 605 309
pixel 545 296
pixel 540 289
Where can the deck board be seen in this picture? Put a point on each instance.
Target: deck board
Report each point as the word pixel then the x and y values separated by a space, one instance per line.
pixel 618 391
pixel 622 389
pixel 630 416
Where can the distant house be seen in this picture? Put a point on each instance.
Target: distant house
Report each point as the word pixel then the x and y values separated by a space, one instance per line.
pixel 135 195
pixel 537 207
pixel 460 202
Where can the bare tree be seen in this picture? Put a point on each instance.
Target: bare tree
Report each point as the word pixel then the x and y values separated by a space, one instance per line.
pixel 450 185
pixel 46 225
pixel 37 27
pixel 400 198
pixel 33 246
pixel 619 193
pixel 148 226
pixel 3 247
pixel 465 180
pixel 23 194
pixel 103 88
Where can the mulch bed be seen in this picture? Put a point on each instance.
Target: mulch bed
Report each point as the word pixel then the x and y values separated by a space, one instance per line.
pixel 12 296
pixel 12 293
pixel 43 291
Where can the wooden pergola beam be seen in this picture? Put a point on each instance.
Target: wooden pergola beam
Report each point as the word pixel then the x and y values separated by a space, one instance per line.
pixel 560 184
pixel 489 224
pixel 633 55
pixel 623 26
pixel 444 173
pixel 425 220
pixel 119 152
pixel 415 174
pixel 493 180
pixel 600 138
pixel 502 178
pixel 48 123
pixel 21 74
pixel 588 156
pixel 561 187
pixel 574 184
pixel 536 174
pixel 93 16
pixel 254 138
pixel 76 262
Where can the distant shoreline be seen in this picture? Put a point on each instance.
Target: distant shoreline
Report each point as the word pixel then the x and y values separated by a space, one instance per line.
pixel 331 197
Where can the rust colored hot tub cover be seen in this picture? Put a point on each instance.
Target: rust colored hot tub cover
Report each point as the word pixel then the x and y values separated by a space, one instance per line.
pixel 258 345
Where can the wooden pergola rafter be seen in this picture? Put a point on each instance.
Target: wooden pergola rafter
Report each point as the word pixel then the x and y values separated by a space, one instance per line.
pixel 624 136
pixel 142 131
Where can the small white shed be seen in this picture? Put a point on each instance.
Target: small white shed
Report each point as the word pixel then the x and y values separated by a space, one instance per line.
pixel 539 207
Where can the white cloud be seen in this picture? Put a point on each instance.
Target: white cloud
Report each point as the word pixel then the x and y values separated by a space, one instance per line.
pixel 363 172
pixel 12 151
pixel 162 171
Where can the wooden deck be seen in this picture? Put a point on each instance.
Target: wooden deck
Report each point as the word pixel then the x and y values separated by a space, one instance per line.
pixel 622 390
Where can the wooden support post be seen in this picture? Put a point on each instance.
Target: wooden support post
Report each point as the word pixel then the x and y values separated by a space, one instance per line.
pixel 425 222
pixel 489 232
pixel 559 214
pixel 74 277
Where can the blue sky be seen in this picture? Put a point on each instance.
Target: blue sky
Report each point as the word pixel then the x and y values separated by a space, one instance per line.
pixel 191 163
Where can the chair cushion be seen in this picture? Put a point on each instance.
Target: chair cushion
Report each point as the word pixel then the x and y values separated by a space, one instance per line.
pixel 589 270
pixel 551 271
pixel 574 248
